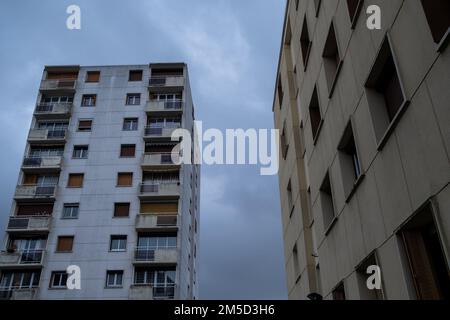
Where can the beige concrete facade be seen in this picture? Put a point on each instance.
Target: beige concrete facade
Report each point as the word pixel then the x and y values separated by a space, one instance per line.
pixel 364 164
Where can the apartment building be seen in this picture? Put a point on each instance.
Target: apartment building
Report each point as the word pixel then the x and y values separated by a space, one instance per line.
pixel 364 117
pixel 100 188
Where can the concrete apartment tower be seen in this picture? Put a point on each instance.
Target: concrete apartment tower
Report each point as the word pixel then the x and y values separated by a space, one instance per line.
pixel 100 188
pixel 364 164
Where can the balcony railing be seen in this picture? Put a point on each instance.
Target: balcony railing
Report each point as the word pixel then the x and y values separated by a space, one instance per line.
pixel 156 221
pixel 21 257
pixel 165 131
pixel 53 108
pixel 164 292
pixel 44 134
pixel 42 162
pixel 158 254
pixel 166 81
pixel 18 293
pixel 34 191
pixel 157 105
pixel 160 158
pixel 32 223
pixel 139 291
pixel 160 189
pixel 64 84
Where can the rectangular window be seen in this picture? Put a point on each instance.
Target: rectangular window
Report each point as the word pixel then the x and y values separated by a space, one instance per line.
pixel 121 209
pixel 327 204
pixel 280 91
pixel 80 152
pixel 428 268
pixel 289 198
pixel 133 99
pixel 118 243
pixel 114 278
pixel 125 179
pixel 70 210
pixel 284 142
pixel 437 13
pixel 127 150
pixel 130 124
pixel 339 292
pixel 88 100
pixel 305 43
pixel 58 280
pixel 354 7
pixel 135 75
pixel 65 244
pixel 93 76
pixel 385 93
pixel 315 115
pixel 331 59
pixel 75 180
pixel 85 125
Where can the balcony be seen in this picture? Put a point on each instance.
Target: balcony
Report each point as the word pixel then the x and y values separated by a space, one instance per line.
pixel 21 259
pixel 32 224
pixel 170 81
pixel 58 85
pixel 53 110
pixel 47 136
pixel 40 164
pixel 18 293
pixel 164 107
pixel 152 133
pixel 32 192
pixel 155 256
pixel 159 190
pixel 149 292
pixel 160 159
pixel 156 222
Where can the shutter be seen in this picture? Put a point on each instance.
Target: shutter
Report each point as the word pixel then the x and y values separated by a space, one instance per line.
pixel 169 208
pixel 84 124
pixel 125 179
pixel 64 244
pixel 93 76
pixel 30 179
pixel 135 75
pixel 421 269
pixel 34 210
pixel 121 209
pixel 75 180
pixel 127 150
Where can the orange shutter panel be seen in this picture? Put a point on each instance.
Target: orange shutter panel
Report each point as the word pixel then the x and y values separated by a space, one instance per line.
pixel 93 76
pixel 125 179
pixel 85 124
pixel 75 180
pixel 64 244
pixel 135 75
pixel 127 150
pixel 121 209
pixel 30 179
pixel 159 208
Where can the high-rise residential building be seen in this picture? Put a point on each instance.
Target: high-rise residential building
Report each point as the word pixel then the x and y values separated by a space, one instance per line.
pixel 364 117
pixel 100 188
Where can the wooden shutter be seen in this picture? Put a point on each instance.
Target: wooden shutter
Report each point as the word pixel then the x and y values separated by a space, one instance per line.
pixel 135 75
pixel 34 210
pixel 93 76
pixel 125 179
pixel 121 209
pixel 75 180
pixel 85 124
pixel 127 150
pixel 65 244
pixel 30 179
pixel 169 208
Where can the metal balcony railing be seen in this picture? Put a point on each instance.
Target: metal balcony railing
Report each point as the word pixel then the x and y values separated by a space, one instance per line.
pixel 9 292
pixel 52 107
pixel 161 131
pixel 164 292
pixel 42 162
pixel 150 253
pixel 58 84
pixel 29 223
pixel 44 134
pixel 159 186
pixel 35 191
pixel 165 80
pixel 22 257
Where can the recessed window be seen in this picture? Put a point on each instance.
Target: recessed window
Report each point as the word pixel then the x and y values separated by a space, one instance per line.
pixel 93 76
pixel 85 125
pixel 284 143
pixel 118 243
pixel 124 179
pixel 88 100
pixel 70 210
pixel 354 8
pixel 121 209
pixel 127 150
pixel 305 42
pixel 339 292
pixel 133 99
pixel 135 75
pixel 80 152
pixel 315 115
pixel 296 263
pixel 130 124
pixel 437 13
pixel 114 278
pixel 361 273
pixel 385 93
pixel 65 244
pixel 280 91
pixel 317 4
pixel 75 180
pixel 349 160
pixel 58 280
pixel 327 204
pixel 289 198
pixel 331 60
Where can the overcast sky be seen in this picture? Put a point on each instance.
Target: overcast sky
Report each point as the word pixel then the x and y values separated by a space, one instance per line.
pixel 231 48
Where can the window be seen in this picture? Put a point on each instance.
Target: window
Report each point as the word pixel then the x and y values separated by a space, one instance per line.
pixel 361 273
pixel 150 243
pixel 121 209
pixel 84 125
pixel 327 204
pixel 58 280
pixel 130 124
pixel 339 292
pixel 114 278
pixel 133 99
pixel 289 198
pixel 88 100
pixel 280 91
pixel 42 152
pixel 426 259
pixel 127 150
pixel 437 13
pixel 305 43
pixel 317 4
pixel 315 115
pixel 65 244
pixel 75 180
pixel 70 210
pixel 349 161
pixel 331 60
pixel 284 143
pixel 135 75
pixel 80 152
pixel 125 179
pixel 354 7
pixel 118 243
pixel 296 263
pixel 385 93
pixel 93 76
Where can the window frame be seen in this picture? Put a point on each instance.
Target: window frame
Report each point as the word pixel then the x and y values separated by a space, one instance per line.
pixel 81 129
pixel 82 149
pixel 62 275
pixel 135 71
pixel 71 216
pixel 131 121
pixel 121 239
pixel 88 73
pixel 115 274
pixel 133 99
pixel 92 98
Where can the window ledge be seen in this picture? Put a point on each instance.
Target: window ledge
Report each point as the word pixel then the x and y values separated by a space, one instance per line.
pixel 392 125
pixel 354 188
pixel 444 41
pixel 332 223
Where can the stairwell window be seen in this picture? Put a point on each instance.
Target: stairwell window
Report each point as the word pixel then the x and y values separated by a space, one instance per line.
pixel 437 13
pixel 331 59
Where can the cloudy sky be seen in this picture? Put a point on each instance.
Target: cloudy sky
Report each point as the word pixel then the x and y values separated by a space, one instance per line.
pixel 231 47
